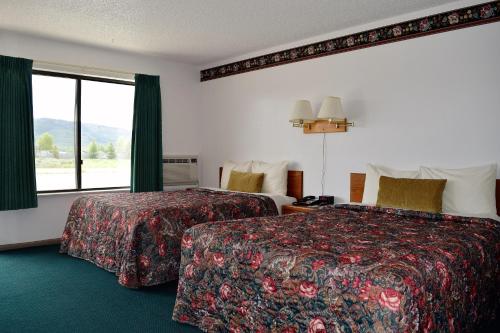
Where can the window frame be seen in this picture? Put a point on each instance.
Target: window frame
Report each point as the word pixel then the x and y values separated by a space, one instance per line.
pixel 78 126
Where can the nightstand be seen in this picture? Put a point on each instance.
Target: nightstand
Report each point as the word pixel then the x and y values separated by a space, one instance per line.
pixel 290 209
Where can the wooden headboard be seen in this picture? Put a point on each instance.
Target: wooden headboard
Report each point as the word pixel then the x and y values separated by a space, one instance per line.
pixel 358 186
pixel 295 186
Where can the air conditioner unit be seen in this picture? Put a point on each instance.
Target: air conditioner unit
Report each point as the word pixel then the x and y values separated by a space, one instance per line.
pixel 180 170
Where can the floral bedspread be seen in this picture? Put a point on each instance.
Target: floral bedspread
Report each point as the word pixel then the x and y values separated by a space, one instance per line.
pixel 344 269
pixel 138 235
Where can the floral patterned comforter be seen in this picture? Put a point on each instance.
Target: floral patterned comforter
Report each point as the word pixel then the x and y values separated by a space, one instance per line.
pixel 344 269
pixel 138 235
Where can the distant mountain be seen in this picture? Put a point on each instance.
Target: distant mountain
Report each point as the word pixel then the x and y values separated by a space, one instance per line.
pixel 63 132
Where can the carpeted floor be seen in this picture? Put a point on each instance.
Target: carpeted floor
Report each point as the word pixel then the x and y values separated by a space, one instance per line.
pixel 44 291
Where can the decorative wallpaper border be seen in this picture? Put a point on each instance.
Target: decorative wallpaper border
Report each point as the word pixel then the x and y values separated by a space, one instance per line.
pixel 456 19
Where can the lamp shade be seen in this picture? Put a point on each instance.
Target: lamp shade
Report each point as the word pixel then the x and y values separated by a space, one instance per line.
pixel 302 112
pixel 331 109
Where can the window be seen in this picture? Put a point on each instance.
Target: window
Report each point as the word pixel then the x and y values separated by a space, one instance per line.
pixel 83 132
pixel 54 127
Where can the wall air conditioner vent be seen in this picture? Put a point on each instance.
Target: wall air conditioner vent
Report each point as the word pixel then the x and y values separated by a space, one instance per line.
pixel 180 160
pixel 180 170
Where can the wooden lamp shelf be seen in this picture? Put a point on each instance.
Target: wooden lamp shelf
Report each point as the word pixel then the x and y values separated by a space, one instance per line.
pixel 326 126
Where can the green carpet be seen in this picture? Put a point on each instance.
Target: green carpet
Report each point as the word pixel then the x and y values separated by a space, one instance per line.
pixel 44 291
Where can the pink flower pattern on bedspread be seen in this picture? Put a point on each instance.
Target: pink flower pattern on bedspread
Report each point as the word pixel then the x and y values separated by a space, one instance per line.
pixel 138 235
pixel 344 269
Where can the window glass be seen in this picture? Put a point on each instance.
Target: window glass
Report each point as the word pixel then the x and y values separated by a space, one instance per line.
pixel 54 132
pixel 106 116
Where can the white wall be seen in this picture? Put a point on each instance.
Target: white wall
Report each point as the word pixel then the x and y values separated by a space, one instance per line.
pixel 426 101
pixel 180 93
pixel 432 100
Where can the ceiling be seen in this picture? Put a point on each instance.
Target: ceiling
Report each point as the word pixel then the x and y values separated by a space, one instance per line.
pixel 195 31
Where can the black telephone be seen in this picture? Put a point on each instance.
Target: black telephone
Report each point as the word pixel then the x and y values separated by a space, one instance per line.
pixel 313 201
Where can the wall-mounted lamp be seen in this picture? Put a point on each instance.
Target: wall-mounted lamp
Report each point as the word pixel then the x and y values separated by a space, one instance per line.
pixel 331 110
pixel 331 117
pixel 302 114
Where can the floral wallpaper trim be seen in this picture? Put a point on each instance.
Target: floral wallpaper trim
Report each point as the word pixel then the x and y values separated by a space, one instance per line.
pixel 433 24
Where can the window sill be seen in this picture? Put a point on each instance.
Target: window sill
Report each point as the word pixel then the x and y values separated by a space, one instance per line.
pixel 55 193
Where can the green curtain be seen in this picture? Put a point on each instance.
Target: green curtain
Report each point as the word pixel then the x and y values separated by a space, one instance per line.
pixel 147 168
pixel 17 154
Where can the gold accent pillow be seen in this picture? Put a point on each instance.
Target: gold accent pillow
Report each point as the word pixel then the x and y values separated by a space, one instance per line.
pixel 424 195
pixel 245 182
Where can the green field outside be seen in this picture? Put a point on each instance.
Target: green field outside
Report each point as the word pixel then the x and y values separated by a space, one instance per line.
pixel 60 174
pixel 54 163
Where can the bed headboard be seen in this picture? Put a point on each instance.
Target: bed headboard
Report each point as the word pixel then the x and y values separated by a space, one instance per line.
pixel 358 186
pixel 295 186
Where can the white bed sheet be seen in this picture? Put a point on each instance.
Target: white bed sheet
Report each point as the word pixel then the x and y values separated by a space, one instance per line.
pixel 278 199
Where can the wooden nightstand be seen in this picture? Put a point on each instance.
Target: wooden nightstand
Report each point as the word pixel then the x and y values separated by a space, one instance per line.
pixel 290 209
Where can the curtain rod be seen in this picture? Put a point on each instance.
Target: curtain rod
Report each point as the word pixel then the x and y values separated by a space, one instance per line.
pixel 75 69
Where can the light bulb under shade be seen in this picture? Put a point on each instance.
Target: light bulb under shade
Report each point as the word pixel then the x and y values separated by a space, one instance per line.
pixel 331 109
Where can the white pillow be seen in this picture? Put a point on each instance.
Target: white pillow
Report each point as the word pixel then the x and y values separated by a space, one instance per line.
pixel 275 176
pixel 469 191
pixel 229 166
pixel 373 173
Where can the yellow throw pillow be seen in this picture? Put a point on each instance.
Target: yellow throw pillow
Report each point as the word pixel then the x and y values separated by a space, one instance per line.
pixel 424 195
pixel 245 182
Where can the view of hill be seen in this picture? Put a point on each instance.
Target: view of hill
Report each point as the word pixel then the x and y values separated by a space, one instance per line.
pixel 63 133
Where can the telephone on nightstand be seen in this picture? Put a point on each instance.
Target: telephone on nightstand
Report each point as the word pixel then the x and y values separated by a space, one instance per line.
pixel 313 201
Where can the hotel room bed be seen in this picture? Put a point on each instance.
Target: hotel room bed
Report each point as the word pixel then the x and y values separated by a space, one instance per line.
pixel 138 235
pixel 352 268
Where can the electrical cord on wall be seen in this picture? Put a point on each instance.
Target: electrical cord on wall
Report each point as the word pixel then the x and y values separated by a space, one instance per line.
pixel 323 171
